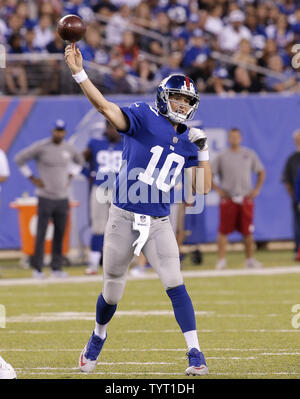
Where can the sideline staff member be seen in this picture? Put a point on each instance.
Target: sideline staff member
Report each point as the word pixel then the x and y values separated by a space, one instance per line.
pixel 234 167
pixel 53 157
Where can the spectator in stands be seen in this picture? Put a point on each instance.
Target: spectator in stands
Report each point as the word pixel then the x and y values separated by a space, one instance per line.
pixel 142 19
pixel 145 71
pixel 15 23
pixel 173 65
pixel 234 168
pixel 178 13
pixel 105 8
pixel 78 7
pixel 295 24
pixel 258 35
pixel 14 73
pixel 211 21
pixel 8 9
pixel 56 45
pixel 142 16
pixel 232 34
pixel 269 50
pixel 117 81
pixel 162 26
pixel 289 177
pixel 28 46
pixel 187 30
pixel 244 53
pixel 286 80
pixel 53 157
pixel 273 14
pixel 43 32
pixel 219 81
pixel 23 12
pixel 196 55
pixel 178 43
pixel 245 81
pixel 92 49
pixel 129 49
pixel 280 32
pixel 117 25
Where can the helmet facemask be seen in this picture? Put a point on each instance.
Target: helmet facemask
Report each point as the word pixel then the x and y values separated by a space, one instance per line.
pixel 185 111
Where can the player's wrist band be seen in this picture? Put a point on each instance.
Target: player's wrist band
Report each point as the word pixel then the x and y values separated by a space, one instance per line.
pixel 80 76
pixel 203 155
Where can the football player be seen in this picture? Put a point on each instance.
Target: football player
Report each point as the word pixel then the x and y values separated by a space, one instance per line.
pixel 155 139
pixel 102 156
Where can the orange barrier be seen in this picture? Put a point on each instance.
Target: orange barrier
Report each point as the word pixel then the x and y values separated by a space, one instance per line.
pixel 27 212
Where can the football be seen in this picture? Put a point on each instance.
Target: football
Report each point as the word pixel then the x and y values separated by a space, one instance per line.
pixel 71 28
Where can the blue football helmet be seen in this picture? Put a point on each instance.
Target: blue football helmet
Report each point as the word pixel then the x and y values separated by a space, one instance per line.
pixel 177 84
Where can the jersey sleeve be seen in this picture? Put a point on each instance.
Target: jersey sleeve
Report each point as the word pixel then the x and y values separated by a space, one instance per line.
pixel 257 165
pixel 135 116
pixel 191 161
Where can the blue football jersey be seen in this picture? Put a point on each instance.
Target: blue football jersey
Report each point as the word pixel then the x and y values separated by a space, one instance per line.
pixel 154 156
pixel 106 159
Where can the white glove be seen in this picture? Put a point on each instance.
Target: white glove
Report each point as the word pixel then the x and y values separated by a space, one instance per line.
pixel 198 137
pixel 142 224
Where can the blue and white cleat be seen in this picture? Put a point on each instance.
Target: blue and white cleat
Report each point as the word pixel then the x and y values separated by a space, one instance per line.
pixel 197 364
pixel 89 356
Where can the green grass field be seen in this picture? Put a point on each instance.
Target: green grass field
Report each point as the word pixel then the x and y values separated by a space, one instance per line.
pixel 244 323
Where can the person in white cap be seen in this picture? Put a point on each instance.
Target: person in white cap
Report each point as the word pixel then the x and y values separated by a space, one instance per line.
pixel 230 37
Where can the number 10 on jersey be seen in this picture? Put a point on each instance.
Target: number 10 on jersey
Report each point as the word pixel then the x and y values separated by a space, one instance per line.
pixel 146 177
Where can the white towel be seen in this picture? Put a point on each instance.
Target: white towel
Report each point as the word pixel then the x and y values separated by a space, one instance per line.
pixel 142 224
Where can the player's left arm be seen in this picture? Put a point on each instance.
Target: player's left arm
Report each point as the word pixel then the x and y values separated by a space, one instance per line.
pixel 202 178
pixel 201 174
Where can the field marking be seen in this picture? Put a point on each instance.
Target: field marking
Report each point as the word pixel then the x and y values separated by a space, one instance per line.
pixel 153 276
pixel 90 316
pixel 282 352
pixel 233 374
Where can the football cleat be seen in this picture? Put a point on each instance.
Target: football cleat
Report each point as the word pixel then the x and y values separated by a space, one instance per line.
pixel 58 274
pixel 91 271
pixel 221 264
pixel 252 263
pixel 6 371
pixel 89 356
pixel 197 364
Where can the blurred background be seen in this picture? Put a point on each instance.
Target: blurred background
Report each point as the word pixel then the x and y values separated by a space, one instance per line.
pixel 239 53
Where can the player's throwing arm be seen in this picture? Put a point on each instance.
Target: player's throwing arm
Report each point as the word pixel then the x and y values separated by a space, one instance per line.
pixel 110 110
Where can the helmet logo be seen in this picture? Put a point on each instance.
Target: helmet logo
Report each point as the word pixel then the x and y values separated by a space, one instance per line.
pixel 188 85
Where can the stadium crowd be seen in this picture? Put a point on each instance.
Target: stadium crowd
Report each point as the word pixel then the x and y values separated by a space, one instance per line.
pixel 226 46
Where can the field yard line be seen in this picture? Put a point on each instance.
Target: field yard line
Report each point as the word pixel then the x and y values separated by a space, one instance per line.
pixel 232 374
pixel 87 316
pixel 283 352
pixel 152 276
